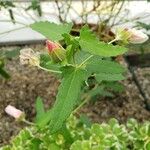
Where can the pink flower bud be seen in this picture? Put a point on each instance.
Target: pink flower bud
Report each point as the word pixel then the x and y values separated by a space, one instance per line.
pixel 51 46
pixel 16 113
pixel 56 51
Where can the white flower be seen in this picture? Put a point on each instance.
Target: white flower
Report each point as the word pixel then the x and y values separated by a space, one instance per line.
pixel 16 113
pixel 29 57
pixel 137 36
pixel 131 35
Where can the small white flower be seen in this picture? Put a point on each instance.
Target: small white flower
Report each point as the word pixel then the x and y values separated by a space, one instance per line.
pixel 131 35
pixel 29 57
pixel 16 113
pixel 137 36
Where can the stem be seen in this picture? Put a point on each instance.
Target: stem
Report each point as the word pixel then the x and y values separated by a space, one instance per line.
pixel 85 60
pixel 83 103
pixel 86 83
pixel 87 99
pixel 28 122
pixel 54 71
pixel 113 41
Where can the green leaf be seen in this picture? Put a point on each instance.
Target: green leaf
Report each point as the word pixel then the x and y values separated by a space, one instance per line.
pixel 39 108
pixel 67 96
pixel 80 56
pixel 72 46
pixel 50 30
pixel 84 120
pixel 99 91
pixel 51 67
pixel 108 77
pixel 46 62
pixel 54 146
pixel 44 119
pixel 114 86
pixel 91 44
pixel 12 53
pixel 104 66
pixel 44 58
pixel 143 25
pixel 4 74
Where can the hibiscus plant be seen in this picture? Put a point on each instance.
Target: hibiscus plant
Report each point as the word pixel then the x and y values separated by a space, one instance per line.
pixel 77 60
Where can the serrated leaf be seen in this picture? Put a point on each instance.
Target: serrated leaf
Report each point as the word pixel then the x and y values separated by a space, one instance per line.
pixel 104 66
pixel 39 108
pixel 67 96
pixel 51 30
pixel 91 44
pixel 108 77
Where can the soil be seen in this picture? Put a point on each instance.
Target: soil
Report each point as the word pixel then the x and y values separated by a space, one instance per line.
pixel 26 83
pixel 139 60
pixel 143 76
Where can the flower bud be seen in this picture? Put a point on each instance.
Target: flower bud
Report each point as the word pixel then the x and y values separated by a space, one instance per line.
pixel 131 35
pixel 16 113
pixel 29 57
pixel 56 51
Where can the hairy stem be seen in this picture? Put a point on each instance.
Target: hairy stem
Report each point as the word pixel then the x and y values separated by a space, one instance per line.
pixel 54 71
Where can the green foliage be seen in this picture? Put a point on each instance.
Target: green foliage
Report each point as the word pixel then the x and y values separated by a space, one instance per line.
pixel 4 55
pixel 39 108
pixel 143 25
pixel 77 136
pixel 108 77
pixel 91 44
pixel 105 89
pixel 78 66
pixel 46 62
pixel 51 31
pixel 105 70
pixel 35 5
pixel 11 54
pixel 3 73
pixel 104 66
pixel 67 96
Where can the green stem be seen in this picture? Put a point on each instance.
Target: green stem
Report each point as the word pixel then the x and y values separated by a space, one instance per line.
pixel 54 71
pixel 114 40
pixel 83 103
pixel 86 100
